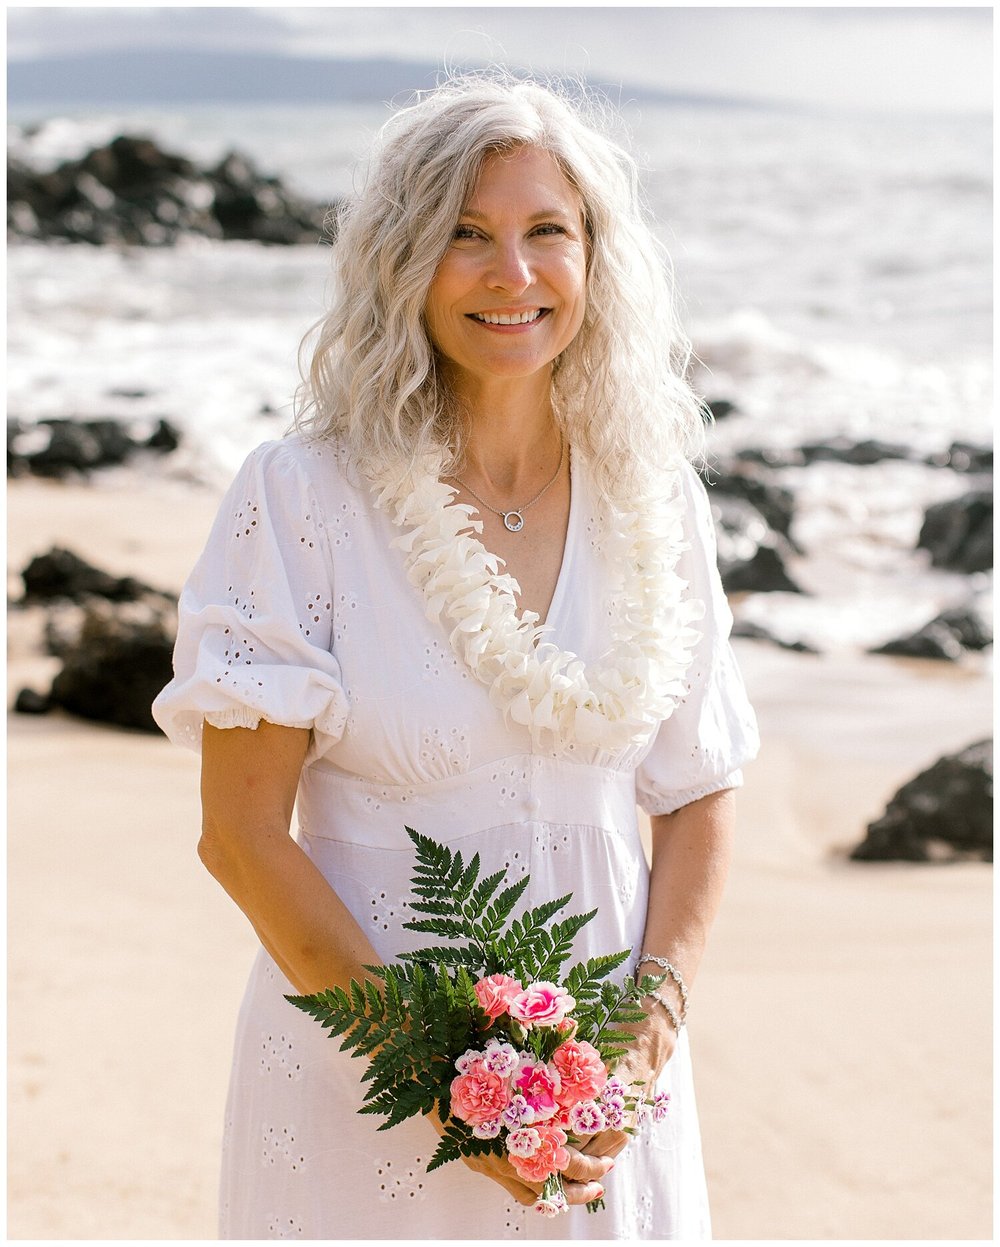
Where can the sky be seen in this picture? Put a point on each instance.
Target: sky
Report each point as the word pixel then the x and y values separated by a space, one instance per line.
pixel 934 58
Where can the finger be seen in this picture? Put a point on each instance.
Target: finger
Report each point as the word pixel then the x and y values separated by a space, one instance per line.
pixel 583 1192
pixel 607 1143
pixel 584 1167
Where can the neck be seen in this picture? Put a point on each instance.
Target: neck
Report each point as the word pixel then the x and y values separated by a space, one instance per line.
pixel 511 436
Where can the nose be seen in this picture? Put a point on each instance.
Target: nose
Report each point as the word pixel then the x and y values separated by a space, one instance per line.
pixel 510 270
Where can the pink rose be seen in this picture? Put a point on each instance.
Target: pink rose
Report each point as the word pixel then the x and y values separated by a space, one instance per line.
pixel 581 1071
pixel 549 1157
pixel 541 1004
pixel 539 1084
pixel 479 1096
pixel 495 994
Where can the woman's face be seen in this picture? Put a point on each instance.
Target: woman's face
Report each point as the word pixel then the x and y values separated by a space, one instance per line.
pixel 510 294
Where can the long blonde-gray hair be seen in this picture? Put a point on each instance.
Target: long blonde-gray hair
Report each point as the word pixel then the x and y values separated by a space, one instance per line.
pixel 619 389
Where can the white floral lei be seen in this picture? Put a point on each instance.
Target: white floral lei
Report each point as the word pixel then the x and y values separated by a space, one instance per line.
pixel 616 701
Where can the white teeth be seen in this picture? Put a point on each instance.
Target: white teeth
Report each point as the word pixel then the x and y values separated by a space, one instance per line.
pixel 501 318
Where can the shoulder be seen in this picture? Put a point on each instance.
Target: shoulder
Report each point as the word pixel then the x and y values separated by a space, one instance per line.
pixel 301 464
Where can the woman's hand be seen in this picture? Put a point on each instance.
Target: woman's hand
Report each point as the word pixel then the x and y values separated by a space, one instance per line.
pixel 653 1046
pixel 582 1177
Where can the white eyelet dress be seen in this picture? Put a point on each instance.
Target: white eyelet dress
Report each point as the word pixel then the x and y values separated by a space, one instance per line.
pixel 300 612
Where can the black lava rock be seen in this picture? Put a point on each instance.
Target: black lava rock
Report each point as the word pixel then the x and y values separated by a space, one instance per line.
pixel 959 532
pixel 720 408
pixel 741 480
pixel 751 554
pixel 60 575
pixel 31 702
pixel 755 632
pixel 772 456
pixel 59 447
pixel 843 450
pixel 132 192
pixel 944 814
pixel 121 660
pixel 970 627
pixel 948 636
pixel 933 640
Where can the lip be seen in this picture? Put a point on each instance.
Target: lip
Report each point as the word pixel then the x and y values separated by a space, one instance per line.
pixel 508 311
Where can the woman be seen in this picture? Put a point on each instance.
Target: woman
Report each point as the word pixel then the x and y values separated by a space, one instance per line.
pixel 498 385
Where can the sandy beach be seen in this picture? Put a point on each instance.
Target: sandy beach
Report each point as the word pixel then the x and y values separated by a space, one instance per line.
pixel 841 1023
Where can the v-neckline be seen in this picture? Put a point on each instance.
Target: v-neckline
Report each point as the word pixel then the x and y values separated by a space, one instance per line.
pixel 619 697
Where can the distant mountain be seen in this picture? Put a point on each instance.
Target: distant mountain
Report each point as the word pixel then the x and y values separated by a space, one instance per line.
pixel 164 77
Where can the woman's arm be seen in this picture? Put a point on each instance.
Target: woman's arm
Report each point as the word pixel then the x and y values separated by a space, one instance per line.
pixel 690 861
pixel 249 780
pixel 248 784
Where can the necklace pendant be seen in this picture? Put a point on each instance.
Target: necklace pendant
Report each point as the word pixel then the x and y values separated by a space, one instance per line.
pixel 513 521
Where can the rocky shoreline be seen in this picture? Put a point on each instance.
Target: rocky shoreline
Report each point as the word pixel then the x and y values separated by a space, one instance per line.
pixel 131 192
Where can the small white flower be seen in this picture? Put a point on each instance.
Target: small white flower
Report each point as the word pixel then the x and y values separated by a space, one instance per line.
pixel 587 1118
pixel 613 1092
pixel 660 1105
pixel 464 1063
pixel 517 1111
pixel 500 1058
pixel 487 1129
pixel 553 1205
pixel 523 1142
pixel 614 1116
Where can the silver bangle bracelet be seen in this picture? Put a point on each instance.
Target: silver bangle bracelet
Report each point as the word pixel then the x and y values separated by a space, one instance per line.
pixel 674 974
pixel 676 1022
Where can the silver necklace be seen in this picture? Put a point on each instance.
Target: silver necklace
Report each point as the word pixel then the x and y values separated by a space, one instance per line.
pixel 513 520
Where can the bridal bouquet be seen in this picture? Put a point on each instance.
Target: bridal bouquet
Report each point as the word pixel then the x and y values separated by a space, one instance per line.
pixel 516 1063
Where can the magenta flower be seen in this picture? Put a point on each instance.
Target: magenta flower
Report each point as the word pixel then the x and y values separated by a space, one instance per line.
pixel 541 1004
pixel 539 1084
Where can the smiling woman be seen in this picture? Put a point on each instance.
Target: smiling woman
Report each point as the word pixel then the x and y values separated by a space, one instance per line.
pixel 510 292
pixel 499 384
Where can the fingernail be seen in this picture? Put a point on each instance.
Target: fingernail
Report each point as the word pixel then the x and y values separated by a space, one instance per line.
pixel 600 1192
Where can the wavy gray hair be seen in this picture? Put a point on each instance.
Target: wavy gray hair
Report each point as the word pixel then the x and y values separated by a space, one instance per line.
pixel 619 389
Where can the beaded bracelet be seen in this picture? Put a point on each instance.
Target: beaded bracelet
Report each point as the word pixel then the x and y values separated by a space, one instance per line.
pixel 671 1013
pixel 675 975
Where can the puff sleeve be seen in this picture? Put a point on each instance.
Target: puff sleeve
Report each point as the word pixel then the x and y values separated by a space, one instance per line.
pixel 255 617
pixel 713 731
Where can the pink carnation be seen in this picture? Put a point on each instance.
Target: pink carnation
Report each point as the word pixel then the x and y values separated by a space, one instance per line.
pixel 539 1084
pixel 549 1157
pixel 541 1004
pixel 495 994
pixel 479 1096
pixel 581 1071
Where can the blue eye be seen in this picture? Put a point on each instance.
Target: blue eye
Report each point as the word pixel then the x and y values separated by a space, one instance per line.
pixel 463 232
pixel 550 228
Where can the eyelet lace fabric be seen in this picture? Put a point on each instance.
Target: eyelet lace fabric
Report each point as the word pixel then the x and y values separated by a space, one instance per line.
pixel 616 701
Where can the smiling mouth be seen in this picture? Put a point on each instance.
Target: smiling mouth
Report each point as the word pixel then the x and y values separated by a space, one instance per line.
pixel 509 318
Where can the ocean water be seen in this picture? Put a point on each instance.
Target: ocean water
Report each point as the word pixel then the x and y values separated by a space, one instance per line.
pixel 835 271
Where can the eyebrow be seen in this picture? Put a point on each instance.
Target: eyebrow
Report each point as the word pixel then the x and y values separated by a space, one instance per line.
pixel 544 215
